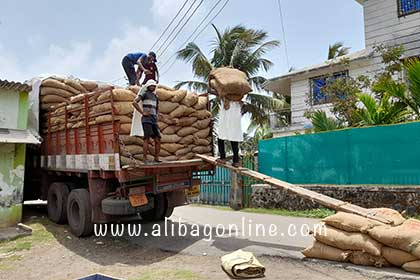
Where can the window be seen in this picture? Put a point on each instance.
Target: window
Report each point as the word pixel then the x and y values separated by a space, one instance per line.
pixel 406 7
pixel 318 83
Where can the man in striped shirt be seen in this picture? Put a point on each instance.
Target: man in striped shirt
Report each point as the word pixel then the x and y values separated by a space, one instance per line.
pixel 147 104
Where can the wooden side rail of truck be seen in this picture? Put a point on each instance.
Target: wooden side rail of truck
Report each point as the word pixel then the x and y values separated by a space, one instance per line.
pixel 84 182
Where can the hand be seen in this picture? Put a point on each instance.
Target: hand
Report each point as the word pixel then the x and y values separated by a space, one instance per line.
pixel 146 114
pixel 148 72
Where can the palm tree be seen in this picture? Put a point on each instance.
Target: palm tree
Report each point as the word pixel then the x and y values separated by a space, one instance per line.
pixel 250 144
pixel 337 50
pixel 321 122
pixel 244 49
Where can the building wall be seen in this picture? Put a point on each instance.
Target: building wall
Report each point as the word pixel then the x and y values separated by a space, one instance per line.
pixel 383 25
pixel 13 109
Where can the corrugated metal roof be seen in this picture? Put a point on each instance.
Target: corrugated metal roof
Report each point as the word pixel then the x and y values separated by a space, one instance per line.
pixel 10 85
pixel 15 136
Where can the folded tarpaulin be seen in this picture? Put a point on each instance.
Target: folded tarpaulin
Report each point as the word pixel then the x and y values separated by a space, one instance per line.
pixel 241 264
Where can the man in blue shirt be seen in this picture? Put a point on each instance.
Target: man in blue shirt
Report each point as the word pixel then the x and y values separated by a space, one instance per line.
pixel 145 64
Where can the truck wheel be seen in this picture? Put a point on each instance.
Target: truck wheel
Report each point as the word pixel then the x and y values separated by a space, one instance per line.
pixel 158 212
pixel 57 202
pixel 79 212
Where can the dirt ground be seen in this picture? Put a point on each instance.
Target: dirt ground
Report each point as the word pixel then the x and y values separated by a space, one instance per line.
pixel 53 253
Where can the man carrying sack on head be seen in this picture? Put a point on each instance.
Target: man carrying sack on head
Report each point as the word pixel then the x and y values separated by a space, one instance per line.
pixel 145 117
pixel 230 85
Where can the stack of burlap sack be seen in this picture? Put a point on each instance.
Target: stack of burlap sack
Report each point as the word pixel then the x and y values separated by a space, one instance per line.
pixel 345 237
pixel 59 92
pixel 185 124
pixel 231 84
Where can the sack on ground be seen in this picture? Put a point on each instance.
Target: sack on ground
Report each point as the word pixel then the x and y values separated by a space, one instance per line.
pixel 397 257
pixel 319 250
pixel 351 222
pixel 362 258
pixel 390 214
pixel 412 266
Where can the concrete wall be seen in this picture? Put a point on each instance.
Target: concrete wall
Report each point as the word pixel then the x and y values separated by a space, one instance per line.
pixel 401 198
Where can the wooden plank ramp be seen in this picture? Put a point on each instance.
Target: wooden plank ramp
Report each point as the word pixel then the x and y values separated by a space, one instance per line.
pixel 329 202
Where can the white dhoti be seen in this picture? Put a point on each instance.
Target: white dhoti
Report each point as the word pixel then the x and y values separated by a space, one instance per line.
pixel 229 126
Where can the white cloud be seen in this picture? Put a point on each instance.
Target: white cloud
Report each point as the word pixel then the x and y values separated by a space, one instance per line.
pixel 166 9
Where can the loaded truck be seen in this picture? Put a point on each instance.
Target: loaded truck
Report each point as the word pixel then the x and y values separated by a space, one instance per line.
pixel 81 176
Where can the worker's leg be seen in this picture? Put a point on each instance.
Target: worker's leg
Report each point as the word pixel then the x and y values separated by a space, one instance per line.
pixel 148 133
pixel 145 148
pixel 221 146
pixel 157 136
pixel 129 70
pixel 235 149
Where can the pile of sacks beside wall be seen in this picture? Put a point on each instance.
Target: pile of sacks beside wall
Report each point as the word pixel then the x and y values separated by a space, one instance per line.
pixel 184 120
pixel 345 237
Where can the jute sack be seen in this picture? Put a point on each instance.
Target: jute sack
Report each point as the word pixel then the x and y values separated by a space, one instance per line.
pixel 397 257
pixel 201 124
pixel 131 149
pixel 201 103
pixel 171 129
pixel 189 139
pixel 348 240
pixel 172 147
pixel 141 157
pixel 167 107
pixel 202 133
pixel 201 114
pixel 121 108
pixel 134 89
pixel 178 95
pixel 362 258
pixel 183 151
pixel 319 250
pixel 164 94
pixel 412 266
pixel 52 98
pixel 405 237
pixel 202 142
pixel 57 84
pixel 169 158
pixel 162 125
pixel 118 94
pixel 76 85
pixel 56 91
pixel 173 138
pixel 351 222
pixel 202 149
pixel 186 121
pixel 108 118
pixel 89 85
pixel 125 128
pixel 187 131
pixel 188 111
pixel 131 140
pixel 160 86
pixel 229 81
pixel 187 156
pixel 190 99
pixel 178 112
pixel 48 106
pixel 168 119
pixel 392 215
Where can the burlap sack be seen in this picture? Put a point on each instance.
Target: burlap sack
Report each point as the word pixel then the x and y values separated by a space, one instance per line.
pixel 164 94
pixel 48 106
pixel 164 153
pixel 187 156
pixel 118 94
pixel 57 120
pixel 397 257
pixel 322 251
pixel 57 84
pixel 52 98
pixel 89 85
pixel 178 112
pixel 140 157
pixel 351 222
pixel 76 106
pixel 189 139
pixel 201 124
pixel 76 85
pixel 56 91
pixel 392 215
pixel 168 119
pixel 162 125
pixel 202 133
pixel 108 118
pixel 201 114
pixel 412 266
pixel 167 107
pixel 188 111
pixel 172 147
pixel 348 240
pixel 183 151
pixel 186 121
pixel 229 81
pixel 201 103
pixel 178 95
pixel 169 158
pixel 173 138
pixel 202 149
pixel 190 99
pixel 131 149
pixel 362 258
pixel 125 161
pixel 131 140
pixel 134 89
pixel 171 130
pixel 160 86
pixel 187 131
pixel 405 237
pixel 125 128
pixel 202 142
pixel 121 108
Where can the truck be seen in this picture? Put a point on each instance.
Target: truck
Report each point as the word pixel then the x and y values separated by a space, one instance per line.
pixel 81 177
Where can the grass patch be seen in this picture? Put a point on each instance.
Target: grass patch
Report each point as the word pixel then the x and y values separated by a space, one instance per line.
pixel 313 213
pixel 176 274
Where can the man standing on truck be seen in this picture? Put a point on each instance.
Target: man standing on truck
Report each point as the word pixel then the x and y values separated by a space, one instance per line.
pixel 147 104
pixel 146 63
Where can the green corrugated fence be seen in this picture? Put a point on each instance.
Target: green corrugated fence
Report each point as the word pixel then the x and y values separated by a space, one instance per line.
pixel 374 155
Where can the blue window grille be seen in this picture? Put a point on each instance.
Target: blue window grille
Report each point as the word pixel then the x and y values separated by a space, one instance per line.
pixel 407 7
pixel 318 83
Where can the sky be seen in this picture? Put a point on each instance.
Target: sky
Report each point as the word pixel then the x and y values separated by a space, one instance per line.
pixel 88 39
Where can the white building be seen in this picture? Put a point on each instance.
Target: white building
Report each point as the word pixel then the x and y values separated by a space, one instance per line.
pixel 388 22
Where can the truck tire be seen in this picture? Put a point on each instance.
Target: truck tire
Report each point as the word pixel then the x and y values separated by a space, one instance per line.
pixel 158 212
pixel 79 212
pixel 57 202
pixel 113 206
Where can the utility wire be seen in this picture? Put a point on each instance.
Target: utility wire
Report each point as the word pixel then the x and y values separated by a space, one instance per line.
pixel 182 27
pixel 192 34
pixel 284 33
pixel 199 33
pixel 170 23
pixel 176 26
